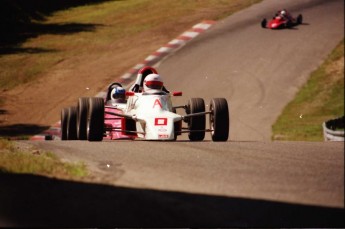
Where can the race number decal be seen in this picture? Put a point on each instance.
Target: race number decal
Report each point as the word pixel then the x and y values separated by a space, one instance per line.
pixel 157 103
pixel 161 121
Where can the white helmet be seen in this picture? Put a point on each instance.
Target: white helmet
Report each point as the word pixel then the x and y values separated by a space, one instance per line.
pixel 153 83
pixel 283 12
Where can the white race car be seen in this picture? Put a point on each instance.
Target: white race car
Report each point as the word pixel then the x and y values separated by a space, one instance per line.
pixel 150 116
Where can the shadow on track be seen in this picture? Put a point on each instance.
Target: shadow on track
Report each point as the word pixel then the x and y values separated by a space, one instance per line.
pixel 20 130
pixel 29 200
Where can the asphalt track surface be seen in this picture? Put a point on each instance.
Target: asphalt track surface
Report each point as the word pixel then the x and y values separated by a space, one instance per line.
pixel 245 182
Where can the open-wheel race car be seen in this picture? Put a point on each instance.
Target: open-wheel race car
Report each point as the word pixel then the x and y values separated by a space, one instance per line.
pixel 282 19
pixel 146 112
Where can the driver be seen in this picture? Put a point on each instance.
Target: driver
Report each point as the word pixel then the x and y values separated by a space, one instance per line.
pixel 153 84
pixel 284 14
pixel 118 95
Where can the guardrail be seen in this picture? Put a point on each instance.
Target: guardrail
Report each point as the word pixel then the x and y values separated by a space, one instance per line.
pixel 329 129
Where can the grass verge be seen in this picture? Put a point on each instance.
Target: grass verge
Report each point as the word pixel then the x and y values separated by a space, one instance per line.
pixel 320 99
pixel 16 160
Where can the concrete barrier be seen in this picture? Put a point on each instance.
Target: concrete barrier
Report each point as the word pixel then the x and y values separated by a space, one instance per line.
pixel 329 129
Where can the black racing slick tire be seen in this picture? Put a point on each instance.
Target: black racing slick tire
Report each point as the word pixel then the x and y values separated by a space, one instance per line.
pixel 64 117
pixel 219 119
pixel 299 19
pixel 196 124
pixel 95 119
pixel 83 105
pixel 264 23
pixel 72 123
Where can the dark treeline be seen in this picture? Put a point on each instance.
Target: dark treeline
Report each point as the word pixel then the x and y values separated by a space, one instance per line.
pixel 19 20
pixel 13 12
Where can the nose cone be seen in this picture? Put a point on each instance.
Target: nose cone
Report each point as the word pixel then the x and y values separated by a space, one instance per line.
pixel 275 24
pixel 160 128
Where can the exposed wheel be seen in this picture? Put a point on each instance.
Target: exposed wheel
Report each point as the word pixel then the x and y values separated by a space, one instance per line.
pixel 264 23
pixel 299 19
pixel 64 117
pixel 219 119
pixel 72 123
pixel 196 124
pixel 95 119
pixel 83 105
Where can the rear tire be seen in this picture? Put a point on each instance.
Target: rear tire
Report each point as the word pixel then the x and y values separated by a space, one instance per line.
pixel 264 23
pixel 95 120
pixel 299 19
pixel 72 123
pixel 196 123
pixel 219 119
pixel 83 105
pixel 64 117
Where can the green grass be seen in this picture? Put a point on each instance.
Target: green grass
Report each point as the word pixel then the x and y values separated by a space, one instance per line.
pixel 16 160
pixel 320 99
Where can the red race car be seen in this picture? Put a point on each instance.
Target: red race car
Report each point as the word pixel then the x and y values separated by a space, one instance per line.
pixel 282 19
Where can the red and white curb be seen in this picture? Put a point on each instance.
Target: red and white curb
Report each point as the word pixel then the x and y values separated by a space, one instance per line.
pixel 54 132
pixel 169 48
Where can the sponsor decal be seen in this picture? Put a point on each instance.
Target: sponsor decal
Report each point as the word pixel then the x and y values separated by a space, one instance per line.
pixel 161 121
pixel 162 130
pixel 163 136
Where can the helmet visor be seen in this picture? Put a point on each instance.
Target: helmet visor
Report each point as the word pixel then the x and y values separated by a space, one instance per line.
pixel 154 84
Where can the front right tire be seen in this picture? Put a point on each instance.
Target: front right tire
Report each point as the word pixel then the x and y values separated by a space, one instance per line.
pixel 219 119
